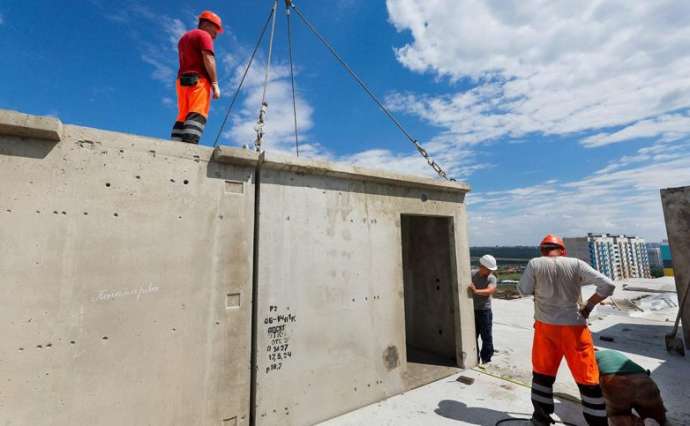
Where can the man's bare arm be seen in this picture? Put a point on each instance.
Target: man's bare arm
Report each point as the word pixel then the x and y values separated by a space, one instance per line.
pixel 591 303
pixel 210 65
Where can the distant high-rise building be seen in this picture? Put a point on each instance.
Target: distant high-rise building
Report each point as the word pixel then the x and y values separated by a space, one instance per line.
pixel 654 254
pixel 666 258
pixel 616 256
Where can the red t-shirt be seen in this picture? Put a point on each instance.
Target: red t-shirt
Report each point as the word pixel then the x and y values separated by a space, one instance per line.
pixel 190 47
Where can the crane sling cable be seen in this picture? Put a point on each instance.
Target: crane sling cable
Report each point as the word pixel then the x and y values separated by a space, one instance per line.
pixel 288 3
pixel 434 165
pixel 244 76
pixel 264 105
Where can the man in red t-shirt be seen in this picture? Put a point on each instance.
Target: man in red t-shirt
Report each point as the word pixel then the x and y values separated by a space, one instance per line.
pixel 196 78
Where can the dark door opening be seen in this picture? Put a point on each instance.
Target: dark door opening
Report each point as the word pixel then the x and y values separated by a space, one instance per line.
pixel 430 316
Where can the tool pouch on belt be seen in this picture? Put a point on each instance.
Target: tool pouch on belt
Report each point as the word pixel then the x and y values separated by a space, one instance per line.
pixel 189 79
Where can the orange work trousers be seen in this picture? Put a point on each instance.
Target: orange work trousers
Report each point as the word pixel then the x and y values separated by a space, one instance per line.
pixel 193 99
pixel 574 342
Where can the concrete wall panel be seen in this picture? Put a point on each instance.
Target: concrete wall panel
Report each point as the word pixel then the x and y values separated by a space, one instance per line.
pixel 331 329
pixel 126 282
pixel 676 203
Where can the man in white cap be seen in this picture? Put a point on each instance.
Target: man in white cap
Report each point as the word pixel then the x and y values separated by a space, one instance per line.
pixel 483 286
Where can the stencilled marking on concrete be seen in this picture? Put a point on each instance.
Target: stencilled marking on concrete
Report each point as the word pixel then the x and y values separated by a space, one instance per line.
pixel 278 349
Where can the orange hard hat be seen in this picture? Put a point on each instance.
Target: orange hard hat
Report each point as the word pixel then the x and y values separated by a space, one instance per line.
pixel 211 17
pixel 552 240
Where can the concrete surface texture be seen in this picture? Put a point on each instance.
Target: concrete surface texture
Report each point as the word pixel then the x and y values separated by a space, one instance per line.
pixel 676 203
pixel 331 299
pixel 128 281
pixel 449 402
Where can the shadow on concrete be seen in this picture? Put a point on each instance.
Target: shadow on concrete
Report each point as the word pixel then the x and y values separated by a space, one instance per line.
pixel 421 356
pixel 456 410
pixel 330 183
pixel 26 147
pixel 642 339
pixel 230 172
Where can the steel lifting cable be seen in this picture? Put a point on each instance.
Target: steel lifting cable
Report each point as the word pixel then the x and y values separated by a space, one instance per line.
pixel 244 76
pixel 288 3
pixel 434 165
pixel 264 106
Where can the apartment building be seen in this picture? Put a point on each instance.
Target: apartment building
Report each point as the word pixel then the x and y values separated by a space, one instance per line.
pixel 616 256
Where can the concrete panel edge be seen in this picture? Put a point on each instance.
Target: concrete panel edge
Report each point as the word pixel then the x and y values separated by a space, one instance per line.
pixel 317 167
pixel 235 156
pixel 14 123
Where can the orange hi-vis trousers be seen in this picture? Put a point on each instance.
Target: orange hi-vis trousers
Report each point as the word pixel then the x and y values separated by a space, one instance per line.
pixel 574 342
pixel 193 104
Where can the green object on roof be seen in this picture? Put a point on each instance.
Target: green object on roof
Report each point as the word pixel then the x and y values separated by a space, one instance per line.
pixel 614 362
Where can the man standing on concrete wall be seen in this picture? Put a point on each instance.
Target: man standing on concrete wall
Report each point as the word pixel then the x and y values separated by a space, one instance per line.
pixel 196 78
pixel 560 328
pixel 483 286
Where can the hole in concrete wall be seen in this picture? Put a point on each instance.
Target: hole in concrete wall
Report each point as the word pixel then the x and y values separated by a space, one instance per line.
pixel 428 297
pixel 104 337
pixel 107 184
pixel 234 187
pixel 86 213
pixel 71 342
pixel 186 182
pixel 232 300
pixel 172 180
pixel 137 176
pixel 116 214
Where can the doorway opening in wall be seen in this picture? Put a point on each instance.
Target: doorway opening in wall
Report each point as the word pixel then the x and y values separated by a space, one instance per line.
pixel 431 305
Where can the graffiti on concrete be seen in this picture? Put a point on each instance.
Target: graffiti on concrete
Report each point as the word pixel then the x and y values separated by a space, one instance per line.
pixel 106 295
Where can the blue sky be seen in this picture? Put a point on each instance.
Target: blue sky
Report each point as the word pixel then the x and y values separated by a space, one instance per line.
pixel 564 117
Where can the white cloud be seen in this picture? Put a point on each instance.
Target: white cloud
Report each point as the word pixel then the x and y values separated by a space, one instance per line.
pixel 162 69
pixel 546 67
pixel 279 121
pixel 624 198
pixel 174 28
pixel 668 127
